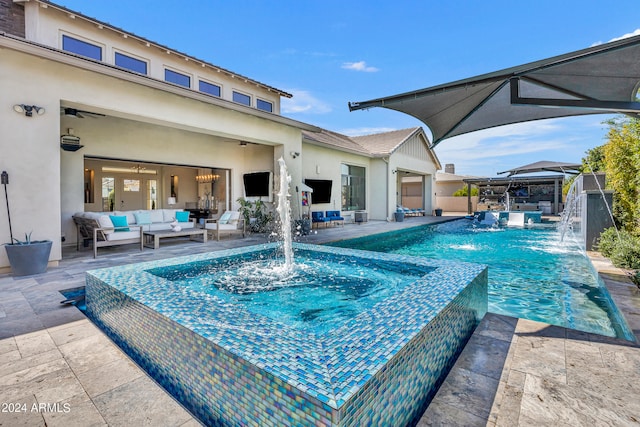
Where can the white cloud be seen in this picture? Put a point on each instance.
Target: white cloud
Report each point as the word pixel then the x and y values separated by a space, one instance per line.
pixel 624 36
pixel 303 102
pixel 359 66
pixel 365 131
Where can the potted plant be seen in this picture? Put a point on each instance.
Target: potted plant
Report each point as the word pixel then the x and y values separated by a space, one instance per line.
pixel 438 211
pixel 29 256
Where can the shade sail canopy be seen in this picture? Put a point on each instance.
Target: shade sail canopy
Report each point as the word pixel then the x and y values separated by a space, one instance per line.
pixel 545 166
pixel 599 79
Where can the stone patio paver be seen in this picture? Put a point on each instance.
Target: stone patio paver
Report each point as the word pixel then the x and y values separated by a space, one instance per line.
pixel 513 372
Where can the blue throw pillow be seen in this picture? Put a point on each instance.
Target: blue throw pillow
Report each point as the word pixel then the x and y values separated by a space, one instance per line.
pixel 142 218
pixel 119 221
pixel 182 216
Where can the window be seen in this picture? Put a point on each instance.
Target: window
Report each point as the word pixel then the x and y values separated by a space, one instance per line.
pixel 209 88
pixel 131 185
pixel 131 63
pixel 177 78
pixel 81 48
pixel 353 188
pixel 241 98
pixel 264 105
pixel 108 193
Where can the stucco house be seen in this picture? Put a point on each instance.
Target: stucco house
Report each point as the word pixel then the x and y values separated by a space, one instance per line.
pixel 95 118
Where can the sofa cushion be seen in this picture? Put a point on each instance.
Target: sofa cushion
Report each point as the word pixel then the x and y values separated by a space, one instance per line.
pixel 142 217
pixel 123 235
pixel 235 216
pixel 169 214
pixel 156 215
pixel 182 216
pixel 120 222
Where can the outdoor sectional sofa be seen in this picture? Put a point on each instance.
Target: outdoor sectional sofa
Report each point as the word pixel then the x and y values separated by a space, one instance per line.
pixel 125 227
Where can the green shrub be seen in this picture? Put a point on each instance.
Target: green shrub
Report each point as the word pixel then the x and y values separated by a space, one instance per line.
pixel 636 278
pixel 607 241
pixel 624 252
pixel 462 192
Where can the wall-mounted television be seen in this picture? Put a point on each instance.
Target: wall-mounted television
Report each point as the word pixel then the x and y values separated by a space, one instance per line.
pixel 257 184
pixel 321 190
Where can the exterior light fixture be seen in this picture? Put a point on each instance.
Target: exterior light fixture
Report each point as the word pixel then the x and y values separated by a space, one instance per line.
pixel 243 144
pixel 294 154
pixel 28 110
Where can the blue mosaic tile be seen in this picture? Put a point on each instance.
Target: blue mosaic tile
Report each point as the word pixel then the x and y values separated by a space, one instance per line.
pixel 228 365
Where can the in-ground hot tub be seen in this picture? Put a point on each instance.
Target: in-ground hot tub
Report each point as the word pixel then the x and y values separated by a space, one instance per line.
pixel 366 341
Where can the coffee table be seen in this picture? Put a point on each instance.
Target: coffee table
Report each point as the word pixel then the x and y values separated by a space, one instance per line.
pixel 153 237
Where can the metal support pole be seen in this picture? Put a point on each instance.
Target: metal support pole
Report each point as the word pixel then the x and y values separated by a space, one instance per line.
pixel 5 180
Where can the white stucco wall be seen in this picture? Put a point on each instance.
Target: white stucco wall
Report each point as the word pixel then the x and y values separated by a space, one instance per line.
pixel 143 124
pixel 324 163
pixel 47 25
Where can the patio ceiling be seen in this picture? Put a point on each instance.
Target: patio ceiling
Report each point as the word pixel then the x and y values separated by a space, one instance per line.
pixel 597 80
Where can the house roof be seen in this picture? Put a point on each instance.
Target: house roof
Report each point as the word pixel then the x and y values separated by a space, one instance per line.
pixel 452 177
pixel 374 145
pixel 333 139
pixel 383 144
pixel 161 46
pixel 599 79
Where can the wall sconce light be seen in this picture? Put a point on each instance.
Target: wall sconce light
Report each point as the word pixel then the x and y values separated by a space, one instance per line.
pixel 294 154
pixel 394 171
pixel 171 201
pixel 28 109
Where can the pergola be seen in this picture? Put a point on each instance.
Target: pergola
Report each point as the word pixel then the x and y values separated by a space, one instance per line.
pixel 555 180
pixel 597 80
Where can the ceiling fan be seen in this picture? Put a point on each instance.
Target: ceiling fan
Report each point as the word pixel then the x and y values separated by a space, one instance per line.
pixel 81 114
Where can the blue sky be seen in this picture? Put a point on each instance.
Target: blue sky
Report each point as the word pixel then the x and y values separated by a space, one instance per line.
pixel 327 53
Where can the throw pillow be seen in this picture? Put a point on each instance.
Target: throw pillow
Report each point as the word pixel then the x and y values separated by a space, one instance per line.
pixel 119 221
pixel 142 218
pixel 182 216
pixel 224 219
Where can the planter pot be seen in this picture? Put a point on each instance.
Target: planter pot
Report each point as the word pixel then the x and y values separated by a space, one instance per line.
pixel 438 212
pixel 29 259
pixel 399 216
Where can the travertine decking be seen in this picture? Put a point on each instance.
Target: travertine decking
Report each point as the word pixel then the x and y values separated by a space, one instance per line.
pixel 56 368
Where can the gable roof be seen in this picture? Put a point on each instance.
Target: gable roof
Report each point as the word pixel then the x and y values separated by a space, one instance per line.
pixel 333 139
pixel 383 144
pixel 374 145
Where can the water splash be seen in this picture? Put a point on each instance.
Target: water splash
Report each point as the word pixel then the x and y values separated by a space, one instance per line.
pixel 284 210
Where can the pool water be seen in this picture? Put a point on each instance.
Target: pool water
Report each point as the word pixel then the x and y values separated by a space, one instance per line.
pixel 532 274
pixel 320 292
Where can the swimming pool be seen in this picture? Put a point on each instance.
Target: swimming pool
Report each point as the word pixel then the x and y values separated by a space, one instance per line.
pixel 532 274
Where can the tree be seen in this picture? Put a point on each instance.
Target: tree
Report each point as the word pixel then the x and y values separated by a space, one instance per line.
pixel 463 192
pixel 622 166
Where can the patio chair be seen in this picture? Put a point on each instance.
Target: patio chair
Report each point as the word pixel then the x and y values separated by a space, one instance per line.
pixel 231 222
pixel 319 218
pixel 334 216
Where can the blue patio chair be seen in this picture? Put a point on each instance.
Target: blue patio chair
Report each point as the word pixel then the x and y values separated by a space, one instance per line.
pixel 334 216
pixel 319 218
